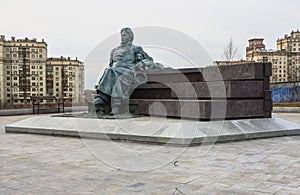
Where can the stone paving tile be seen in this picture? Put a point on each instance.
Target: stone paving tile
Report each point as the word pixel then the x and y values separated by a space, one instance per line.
pixel 33 164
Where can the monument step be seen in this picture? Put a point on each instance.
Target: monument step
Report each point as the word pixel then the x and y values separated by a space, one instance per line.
pixel 155 130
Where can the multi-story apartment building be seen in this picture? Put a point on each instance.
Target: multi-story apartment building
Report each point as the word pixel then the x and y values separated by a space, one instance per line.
pixel 24 72
pixel 285 59
pixel 65 78
pixel 23 67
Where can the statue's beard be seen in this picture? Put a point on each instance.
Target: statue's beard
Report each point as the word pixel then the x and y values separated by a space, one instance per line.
pixel 126 43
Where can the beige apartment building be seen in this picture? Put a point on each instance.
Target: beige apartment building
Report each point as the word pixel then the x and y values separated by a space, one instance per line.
pixel 65 79
pixel 285 59
pixel 24 72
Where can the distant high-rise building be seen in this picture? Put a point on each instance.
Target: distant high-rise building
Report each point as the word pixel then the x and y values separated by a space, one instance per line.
pixel 285 59
pixel 65 78
pixel 24 72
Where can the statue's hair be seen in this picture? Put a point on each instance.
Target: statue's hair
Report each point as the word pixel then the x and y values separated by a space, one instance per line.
pixel 128 31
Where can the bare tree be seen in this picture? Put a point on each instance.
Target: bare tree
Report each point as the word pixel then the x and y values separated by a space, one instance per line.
pixel 231 51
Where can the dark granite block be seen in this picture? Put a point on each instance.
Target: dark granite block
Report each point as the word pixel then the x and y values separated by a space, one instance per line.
pixel 212 73
pixel 268 105
pixel 234 72
pixel 267 69
pixel 201 90
pixel 175 76
pixel 268 95
pixel 202 109
pixel 267 83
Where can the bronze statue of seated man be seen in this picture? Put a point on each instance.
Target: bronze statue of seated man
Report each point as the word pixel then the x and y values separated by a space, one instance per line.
pixel 127 61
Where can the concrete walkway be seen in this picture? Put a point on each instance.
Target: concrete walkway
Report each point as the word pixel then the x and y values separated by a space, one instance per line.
pixel 34 164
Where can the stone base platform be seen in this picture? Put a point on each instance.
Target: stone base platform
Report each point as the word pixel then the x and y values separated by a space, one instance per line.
pixel 156 130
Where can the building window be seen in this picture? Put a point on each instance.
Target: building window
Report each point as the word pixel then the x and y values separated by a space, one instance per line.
pixel 40 50
pixel 33 89
pixel 56 84
pixel 41 89
pixel 41 67
pixel 8 84
pixel 15 78
pixel 32 50
pixel 7 55
pixel 41 84
pixel 41 78
pixel 32 67
pixel 7 49
pixel 33 78
pixel 41 56
pixel 15 55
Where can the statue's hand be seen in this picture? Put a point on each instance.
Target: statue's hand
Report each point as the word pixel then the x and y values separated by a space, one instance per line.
pixel 140 66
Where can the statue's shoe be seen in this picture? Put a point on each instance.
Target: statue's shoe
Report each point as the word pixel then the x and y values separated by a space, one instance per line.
pixel 99 101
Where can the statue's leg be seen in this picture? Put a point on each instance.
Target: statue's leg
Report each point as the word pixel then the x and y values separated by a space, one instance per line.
pixel 116 106
pixel 102 103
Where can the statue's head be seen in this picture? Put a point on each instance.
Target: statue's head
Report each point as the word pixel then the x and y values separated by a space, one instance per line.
pixel 126 36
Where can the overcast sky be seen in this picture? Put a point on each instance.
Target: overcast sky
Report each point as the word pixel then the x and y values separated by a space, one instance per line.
pixel 74 28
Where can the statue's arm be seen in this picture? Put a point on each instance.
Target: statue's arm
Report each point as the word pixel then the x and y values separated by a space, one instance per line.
pixel 144 61
pixel 111 61
pixel 142 54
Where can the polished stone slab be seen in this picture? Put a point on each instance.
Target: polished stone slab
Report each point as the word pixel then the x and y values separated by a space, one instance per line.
pixel 201 90
pixel 248 71
pixel 201 109
pixel 156 130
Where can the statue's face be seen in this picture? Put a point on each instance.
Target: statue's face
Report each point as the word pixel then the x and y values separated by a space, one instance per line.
pixel 125 37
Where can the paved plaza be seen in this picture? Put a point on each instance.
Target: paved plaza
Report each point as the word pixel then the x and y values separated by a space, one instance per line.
pixel 36 164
